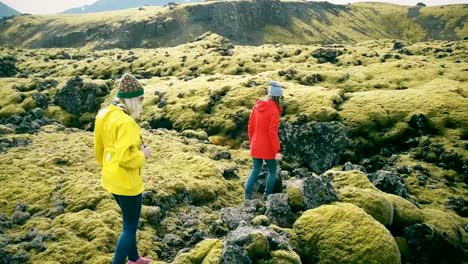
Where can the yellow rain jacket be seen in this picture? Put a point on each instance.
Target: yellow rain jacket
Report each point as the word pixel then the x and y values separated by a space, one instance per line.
pixel 117 150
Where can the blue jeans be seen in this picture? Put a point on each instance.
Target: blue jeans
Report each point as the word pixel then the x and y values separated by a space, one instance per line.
pixel 127 245
pixel 256 168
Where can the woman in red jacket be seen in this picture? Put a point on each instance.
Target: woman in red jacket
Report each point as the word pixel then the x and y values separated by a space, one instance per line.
pixel 264 140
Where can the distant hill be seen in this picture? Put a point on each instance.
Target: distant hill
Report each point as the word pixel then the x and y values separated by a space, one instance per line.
pixel 7 11
pixel 111 5
pixel 243 22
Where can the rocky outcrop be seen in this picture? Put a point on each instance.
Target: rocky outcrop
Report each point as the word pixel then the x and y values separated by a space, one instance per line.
pixel 78 98
pixel 7 66
pixel 316 146
pixel 247 244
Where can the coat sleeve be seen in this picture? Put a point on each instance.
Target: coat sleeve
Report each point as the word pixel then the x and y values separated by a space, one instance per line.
pixel 251 127
pixel 98 147
pixel 128 153
pixel 273 132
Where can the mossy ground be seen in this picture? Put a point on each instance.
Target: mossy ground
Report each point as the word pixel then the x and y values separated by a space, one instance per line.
pixel 193 87
pixel 60 168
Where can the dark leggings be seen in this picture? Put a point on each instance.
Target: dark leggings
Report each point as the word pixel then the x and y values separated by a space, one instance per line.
pixel 256 168
pixel 127 245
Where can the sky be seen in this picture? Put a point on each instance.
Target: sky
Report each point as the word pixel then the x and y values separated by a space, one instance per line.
pixel 58 6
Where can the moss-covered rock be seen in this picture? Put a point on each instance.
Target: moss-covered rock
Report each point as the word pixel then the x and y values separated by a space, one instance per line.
pixel 404 212
pixel 261 220
pixel 373 202
pixel 209 251
pixel 353 178
pixel 363 239
pixel 257 246
pixel 282 257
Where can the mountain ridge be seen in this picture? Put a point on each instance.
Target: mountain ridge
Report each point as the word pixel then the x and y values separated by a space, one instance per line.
pixel 6 11
pixel 112 5
pixel 243 22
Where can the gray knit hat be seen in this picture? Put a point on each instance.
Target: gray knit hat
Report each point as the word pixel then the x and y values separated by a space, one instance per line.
pixel 275 89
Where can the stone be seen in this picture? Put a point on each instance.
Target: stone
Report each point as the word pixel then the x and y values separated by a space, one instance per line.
pixel 429 245
pixel 78 98
pixel 318 191
pixel 7 66
pixel 19 217
pixel 389 182
pixel 349 166
pixel 327 55
pixel 172 240
pixel 318 232
pixel 222 155
pixel 278 210
pixel 153 215
pixel 316 146
pixel 459 205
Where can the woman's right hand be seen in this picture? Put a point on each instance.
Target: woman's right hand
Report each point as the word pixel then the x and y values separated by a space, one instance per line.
pixel 146 151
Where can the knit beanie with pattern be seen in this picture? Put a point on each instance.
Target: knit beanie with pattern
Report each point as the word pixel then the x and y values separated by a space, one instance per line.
pixel 129 87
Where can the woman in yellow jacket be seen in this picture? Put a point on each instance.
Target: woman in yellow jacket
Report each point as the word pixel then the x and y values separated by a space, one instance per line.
pixel 121 155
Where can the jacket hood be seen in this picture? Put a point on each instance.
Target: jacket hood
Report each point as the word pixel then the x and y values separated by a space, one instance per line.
pixel 265 105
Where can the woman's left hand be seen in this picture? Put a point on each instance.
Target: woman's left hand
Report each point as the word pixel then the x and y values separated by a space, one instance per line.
pixel 278 157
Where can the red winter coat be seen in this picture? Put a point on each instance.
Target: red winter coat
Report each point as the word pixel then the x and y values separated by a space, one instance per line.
pixel 263 130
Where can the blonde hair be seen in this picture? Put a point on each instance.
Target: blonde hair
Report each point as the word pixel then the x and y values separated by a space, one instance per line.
pixel 133 105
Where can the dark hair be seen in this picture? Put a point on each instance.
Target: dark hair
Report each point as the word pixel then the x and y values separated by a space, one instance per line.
pixel 277 100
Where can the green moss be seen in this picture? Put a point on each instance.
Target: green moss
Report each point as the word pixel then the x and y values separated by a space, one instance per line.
pixel 11 109
pixel 257 246
pixel 295 198
pixel 362 238
pixel 405 213
pixel 282 257
pixel 373 202
pixel 358 179
pixel 261 220
pixel 57 113
pixel 194 134
pixel 449 223
pixel 403 248
pixel 209 251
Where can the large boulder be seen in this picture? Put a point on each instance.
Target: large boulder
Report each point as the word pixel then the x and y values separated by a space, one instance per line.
pixel 310 192
pixel 316 146
pixel 441 238
pixel 7 66
pixel 404 212
pixel 343 233
pixel 78 97
pixel 431 245
pixel 373 202
pixel 248 244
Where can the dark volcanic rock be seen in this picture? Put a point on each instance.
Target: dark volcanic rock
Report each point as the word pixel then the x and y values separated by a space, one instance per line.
pixel 7 66
pixel 459 205
pixel 279 211
pixel 349 166
pixel 389 182
pixel 327 55
pixel 248 244
pixel 430 245
pixel 318 191
pixel 13 143
pixel 316 146
pixel 77 98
